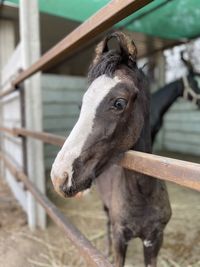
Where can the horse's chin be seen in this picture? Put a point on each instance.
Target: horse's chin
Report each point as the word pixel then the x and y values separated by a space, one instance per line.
pixel 78 190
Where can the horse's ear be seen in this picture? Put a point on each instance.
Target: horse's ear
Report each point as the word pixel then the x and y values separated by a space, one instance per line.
pixel 127 47
pixel 101 48
pixel 126 44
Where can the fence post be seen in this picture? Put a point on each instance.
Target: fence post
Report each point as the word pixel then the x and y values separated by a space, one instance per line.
pixel 7 36
pixel 30 41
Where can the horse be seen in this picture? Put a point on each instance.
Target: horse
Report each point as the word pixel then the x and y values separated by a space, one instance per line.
pixel 186 87
pixel 114 117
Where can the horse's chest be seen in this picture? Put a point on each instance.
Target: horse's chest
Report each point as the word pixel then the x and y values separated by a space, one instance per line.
pixel 135 220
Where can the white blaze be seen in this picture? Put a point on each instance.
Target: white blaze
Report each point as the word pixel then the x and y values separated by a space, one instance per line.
pixel 77 138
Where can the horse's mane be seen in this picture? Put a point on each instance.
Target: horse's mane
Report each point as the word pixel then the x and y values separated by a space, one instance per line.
pixel 107 64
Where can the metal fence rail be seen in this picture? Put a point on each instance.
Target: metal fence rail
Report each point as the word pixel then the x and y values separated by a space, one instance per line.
pixel 42 136
pixel 180 172
pixel 86 249
pixel 177 171
pixel 106 17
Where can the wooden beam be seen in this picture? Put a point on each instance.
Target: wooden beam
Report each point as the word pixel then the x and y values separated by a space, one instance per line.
pixel 86 249
pixel 106 17
pixel 177 171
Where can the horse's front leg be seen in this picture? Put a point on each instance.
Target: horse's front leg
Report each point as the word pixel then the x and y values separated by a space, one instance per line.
pixel 120 248
pixel 151 248
pixel 108 251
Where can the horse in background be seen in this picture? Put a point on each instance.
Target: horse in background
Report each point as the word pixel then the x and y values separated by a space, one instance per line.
pixel 163 99
pixel 114 117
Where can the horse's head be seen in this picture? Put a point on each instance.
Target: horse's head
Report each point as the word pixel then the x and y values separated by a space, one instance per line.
pixel 112 116
pixel 191 90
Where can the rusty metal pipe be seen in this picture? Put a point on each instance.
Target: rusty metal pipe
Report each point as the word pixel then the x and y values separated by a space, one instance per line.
pixel 106 17
pixel 42 136
pixel 86 249
pixel 177 171
pixel 180 172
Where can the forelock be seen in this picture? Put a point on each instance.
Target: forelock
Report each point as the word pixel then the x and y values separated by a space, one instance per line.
pixel 107 64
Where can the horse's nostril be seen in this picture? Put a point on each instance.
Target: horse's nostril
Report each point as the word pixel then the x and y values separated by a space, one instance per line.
pixel 65 181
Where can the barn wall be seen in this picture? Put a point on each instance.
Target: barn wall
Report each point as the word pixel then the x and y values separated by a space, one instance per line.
pixel 62 97
pixel 11 61
pixel 182 128
pixel 11 117
pixel 12 146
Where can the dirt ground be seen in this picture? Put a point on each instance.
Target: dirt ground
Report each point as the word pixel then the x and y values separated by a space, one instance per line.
pixel 21 248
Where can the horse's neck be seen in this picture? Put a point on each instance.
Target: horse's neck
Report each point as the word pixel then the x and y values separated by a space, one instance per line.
pixel 144 141
pixel 162 99
pixel 144 182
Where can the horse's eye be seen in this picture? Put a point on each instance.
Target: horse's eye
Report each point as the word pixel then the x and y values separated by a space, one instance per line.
pixel 120 104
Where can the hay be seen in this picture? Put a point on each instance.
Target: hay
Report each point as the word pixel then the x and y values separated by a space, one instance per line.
pixel 57 257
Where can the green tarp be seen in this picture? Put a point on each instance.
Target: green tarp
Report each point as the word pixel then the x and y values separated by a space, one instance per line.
pixel 171 19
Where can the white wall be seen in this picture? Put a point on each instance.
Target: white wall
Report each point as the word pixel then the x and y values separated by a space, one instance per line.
pixel 11 113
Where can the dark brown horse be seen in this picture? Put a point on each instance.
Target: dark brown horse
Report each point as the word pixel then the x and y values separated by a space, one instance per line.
pixel 114 118
pixel 163 99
